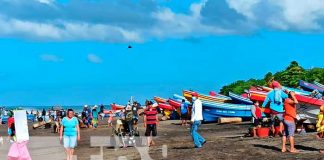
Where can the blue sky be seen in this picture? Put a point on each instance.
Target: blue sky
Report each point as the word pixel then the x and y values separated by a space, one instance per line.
pixel 75 52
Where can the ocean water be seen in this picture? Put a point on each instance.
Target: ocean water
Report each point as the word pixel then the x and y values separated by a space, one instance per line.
pixel 40 108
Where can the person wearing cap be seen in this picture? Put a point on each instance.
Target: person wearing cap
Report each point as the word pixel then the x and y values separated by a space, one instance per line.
pixel 196 118
pixel 129 117
pixel 276 98
pixel 151 122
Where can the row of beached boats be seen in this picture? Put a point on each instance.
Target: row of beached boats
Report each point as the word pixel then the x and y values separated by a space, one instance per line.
pixel 217 105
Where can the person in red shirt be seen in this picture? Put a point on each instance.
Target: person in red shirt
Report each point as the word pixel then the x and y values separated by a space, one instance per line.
pixel 289 122
pixel 11 127
pixel 151 122
pixel 257 117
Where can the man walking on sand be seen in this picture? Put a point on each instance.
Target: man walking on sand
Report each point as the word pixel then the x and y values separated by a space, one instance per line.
pixel 196 118
pixel 151 122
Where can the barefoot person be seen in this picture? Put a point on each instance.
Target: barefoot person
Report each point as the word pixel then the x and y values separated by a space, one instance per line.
pixel 276 98
pixel 196 118
pixel 150 123
pixel 70 133
pixel 289 122
pixel 257 117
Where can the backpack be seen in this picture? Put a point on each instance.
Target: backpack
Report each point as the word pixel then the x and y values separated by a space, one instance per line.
pixel 129 116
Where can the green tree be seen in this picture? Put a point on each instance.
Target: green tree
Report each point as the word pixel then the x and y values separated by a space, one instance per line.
pixel 288 77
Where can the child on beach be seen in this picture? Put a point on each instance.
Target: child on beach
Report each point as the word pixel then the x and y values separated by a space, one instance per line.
pixel 11 126
pixel 289 122
pixel 257 117
pixel 110 118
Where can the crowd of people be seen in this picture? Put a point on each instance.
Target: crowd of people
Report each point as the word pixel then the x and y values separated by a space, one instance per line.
pixel 282 109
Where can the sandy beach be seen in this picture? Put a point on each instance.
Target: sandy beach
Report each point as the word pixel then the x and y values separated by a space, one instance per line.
pixel 224 141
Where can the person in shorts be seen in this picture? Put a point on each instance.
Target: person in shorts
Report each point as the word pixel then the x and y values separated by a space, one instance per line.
pixel 184 112
pixel 289 122
pixel 11 126
pixel 151 122
pixel 276 99
pixel 70 133
pixel 257 117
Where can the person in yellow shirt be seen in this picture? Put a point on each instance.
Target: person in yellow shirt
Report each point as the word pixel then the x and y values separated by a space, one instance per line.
pixel 320 123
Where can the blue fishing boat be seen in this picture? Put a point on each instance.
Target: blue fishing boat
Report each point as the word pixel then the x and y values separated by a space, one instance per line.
pixel 239 99
pixel 310 87
pixel 227 109
pixel 297 91
pixel 208 117
pixel 318 84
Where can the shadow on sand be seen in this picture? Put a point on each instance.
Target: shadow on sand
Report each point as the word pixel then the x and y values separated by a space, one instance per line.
pixel 298 147
pixel 304 148
pixel 268 147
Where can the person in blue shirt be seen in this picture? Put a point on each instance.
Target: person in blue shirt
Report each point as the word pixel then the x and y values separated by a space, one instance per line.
pixel 184 112
pixel 276 98
pixel 95 116
pixel 70 133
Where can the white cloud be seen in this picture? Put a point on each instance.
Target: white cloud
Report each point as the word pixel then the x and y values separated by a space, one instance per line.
pixel 244 7
pixel 48 2
pixel 66 31
pixel 304 16
pixel 171 24
pixel 94 58
pixel 50 58
pixel 118 22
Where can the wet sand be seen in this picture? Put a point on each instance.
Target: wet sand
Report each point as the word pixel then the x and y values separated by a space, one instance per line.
pixel 224 141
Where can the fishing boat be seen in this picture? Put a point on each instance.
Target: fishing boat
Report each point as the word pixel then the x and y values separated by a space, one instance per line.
pixel 166 106
pixel 160 100
pixel 239 99
pixel 176 104
pixel 309 100
pixel 116 107
pixel 264 88
pixel 180 98
pixel 297 91
pixel 319 84
pixel 209 117
pixel 203 97
pixel 257 95
pixel 227 109
pixel 310 87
